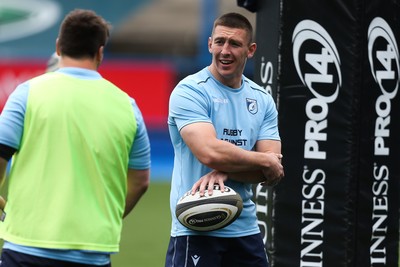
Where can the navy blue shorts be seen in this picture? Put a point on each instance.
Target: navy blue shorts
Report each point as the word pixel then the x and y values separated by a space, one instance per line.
pixel 10 258
pixel 207 251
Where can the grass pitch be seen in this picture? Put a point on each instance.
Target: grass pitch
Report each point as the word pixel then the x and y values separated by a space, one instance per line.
pixel 146 230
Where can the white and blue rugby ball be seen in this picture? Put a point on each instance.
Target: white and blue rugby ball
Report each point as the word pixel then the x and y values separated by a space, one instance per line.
pixel 209 213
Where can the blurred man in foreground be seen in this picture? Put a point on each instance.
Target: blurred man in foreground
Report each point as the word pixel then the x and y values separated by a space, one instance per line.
pixel 81 156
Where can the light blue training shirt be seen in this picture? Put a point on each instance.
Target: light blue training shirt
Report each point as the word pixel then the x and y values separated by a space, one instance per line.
pixel 240 116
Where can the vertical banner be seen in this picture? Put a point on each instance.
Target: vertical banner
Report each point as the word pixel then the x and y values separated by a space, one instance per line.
pixel 318 91
pixel 266 66
pixel 334 69
pixel 378 203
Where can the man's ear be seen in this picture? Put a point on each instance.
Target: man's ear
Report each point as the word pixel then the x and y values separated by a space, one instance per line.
pixel 100 55
pixel 252 50
pixel 58 50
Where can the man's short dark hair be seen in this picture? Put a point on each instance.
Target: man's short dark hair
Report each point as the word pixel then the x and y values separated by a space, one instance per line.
pixel 82 33
pixel 235 20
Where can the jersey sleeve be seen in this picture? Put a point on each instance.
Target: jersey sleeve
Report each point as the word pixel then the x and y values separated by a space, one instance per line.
pixel 139 157
pixel 269 129
pixel 12 117
pixel 187 104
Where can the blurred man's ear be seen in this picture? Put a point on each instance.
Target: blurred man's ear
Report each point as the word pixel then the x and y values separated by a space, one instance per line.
pixel 100 55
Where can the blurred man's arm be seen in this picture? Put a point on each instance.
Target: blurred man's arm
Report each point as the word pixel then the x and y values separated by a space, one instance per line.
pixel 6 152
pixel 138 182
pixel 3 167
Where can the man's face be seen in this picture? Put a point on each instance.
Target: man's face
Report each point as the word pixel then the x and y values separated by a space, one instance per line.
pixel 230 49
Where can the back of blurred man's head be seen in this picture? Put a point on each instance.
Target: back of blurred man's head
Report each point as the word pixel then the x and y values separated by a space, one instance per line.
pixel 82 33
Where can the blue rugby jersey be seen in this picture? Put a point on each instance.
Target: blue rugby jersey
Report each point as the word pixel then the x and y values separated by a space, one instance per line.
pixel 240 116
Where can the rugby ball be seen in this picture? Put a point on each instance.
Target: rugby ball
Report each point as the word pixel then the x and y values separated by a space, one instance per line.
pixel 209 212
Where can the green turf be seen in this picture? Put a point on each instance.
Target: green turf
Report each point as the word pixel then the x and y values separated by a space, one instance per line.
pixel 146 229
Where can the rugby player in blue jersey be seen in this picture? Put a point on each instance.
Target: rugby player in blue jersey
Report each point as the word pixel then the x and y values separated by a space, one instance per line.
pixel 224 131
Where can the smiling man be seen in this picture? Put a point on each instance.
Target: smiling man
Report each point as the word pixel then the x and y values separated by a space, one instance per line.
pixel 224 131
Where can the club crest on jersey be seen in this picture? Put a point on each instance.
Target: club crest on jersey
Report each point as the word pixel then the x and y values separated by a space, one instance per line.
pixel 252 106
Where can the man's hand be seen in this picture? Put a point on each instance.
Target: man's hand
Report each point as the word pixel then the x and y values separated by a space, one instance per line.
pixel 207 182
pixel 274 173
